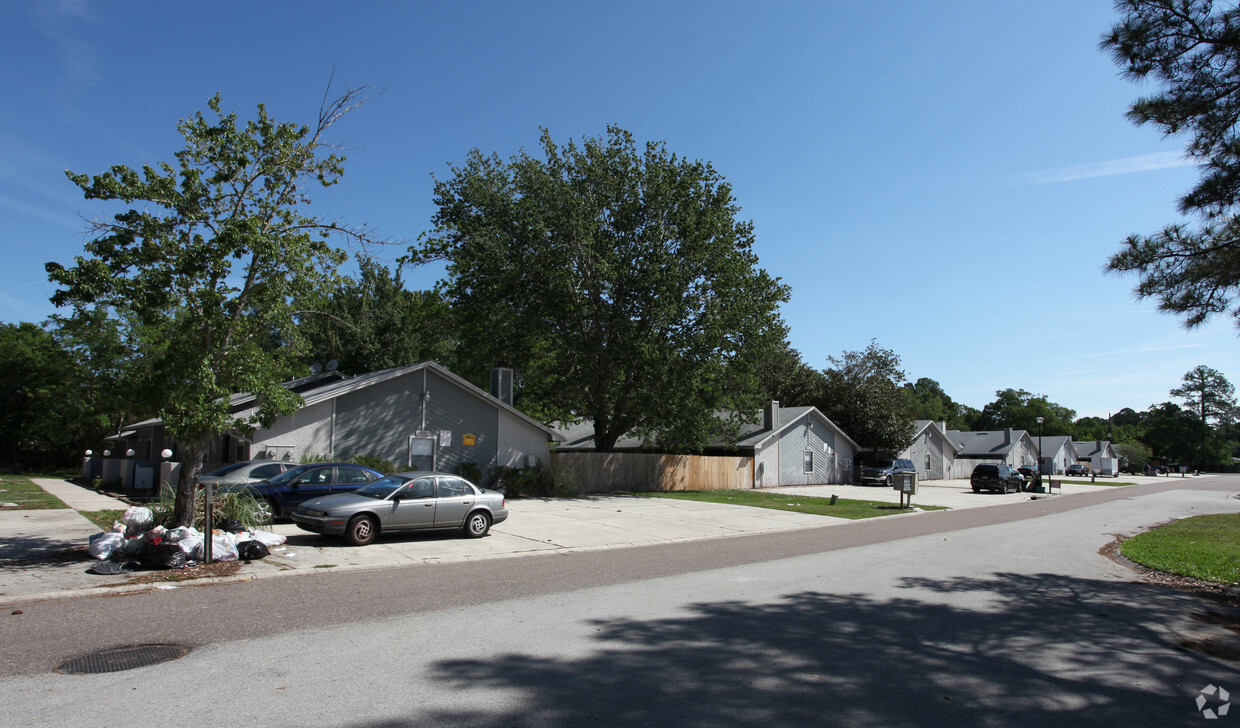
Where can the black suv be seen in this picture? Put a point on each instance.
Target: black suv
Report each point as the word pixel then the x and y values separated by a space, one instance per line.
pixel 996 477
pixel 883 472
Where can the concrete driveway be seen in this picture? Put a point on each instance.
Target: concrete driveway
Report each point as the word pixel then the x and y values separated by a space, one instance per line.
pixel 43 553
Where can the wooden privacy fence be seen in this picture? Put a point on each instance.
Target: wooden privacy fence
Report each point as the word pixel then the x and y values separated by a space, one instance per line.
pixel 608 472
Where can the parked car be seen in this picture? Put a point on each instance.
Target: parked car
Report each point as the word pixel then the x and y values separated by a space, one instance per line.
pixel 279 495
pixel 883 472
pixel 996 476
pixel 426 501
pixel 1029 471
pixel 1077 469
pixel 249 471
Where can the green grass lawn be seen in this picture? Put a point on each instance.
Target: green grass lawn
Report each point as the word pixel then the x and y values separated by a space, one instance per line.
pixel 26 495
pixel 1100 481
pixel 843 508
pixel 103 519
pixel 1205 547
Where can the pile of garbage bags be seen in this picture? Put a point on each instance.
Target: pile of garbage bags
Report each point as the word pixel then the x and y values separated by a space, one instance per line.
pixel 135 538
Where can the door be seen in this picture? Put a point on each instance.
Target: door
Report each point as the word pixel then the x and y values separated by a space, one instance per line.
pixel 454 501
pixel 313 483
pixel 421 453
pixel 413 506
pixel 350 479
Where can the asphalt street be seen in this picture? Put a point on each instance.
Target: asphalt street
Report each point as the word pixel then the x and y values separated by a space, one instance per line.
pixel 975 617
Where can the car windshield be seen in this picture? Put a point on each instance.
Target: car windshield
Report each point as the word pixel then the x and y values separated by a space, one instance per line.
pixel 383 487
pixel 288 475
pixel 226 469
pixel 884 464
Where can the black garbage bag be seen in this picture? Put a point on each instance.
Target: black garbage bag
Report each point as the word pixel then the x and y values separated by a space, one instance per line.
pixel 163 556
pixel 109 568
pixel 231 525
pixel 252 550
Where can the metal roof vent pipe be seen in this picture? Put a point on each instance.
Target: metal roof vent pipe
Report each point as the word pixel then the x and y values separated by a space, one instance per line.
pixel 1007 436
pixel 501 384
pixel 769 415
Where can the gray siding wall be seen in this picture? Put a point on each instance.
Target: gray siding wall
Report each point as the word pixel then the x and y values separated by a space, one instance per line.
pixel 927 453
pixel 821 441
pixel 462 414
pixel 380 419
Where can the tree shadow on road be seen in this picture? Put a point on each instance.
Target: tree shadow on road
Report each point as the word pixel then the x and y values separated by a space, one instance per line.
pixel 998 650
pixel 25 551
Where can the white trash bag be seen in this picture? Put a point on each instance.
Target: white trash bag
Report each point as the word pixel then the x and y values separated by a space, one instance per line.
pixel 137 520
pixel 103 545
pixel 223 547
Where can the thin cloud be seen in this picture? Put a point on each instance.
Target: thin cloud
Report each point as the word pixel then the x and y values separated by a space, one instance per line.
pixel 77 58
pixel 1127 165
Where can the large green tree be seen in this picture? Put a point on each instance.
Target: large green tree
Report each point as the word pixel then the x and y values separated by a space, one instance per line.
pixel 787 379
pixel 203 271
pixel 1191 50
pixel 1211 397
pixel 371 321
pixel 1020 410
pixel 863 395
pixel 42 420
pixel 617 280
pixel 1172 433
pixel 928 401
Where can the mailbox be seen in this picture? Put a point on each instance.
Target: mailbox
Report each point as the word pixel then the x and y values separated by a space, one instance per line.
pixel 906 483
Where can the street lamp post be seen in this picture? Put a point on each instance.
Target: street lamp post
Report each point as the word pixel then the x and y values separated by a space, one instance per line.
pixel 1040 420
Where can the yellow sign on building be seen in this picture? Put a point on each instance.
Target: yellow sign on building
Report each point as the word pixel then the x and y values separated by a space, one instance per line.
pixel 468 439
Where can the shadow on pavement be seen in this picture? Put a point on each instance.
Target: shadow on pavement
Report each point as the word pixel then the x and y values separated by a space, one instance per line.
pixel 25 551
pixel 1007 650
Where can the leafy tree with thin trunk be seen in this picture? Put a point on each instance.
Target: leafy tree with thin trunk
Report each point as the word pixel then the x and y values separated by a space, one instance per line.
pixel 616 280
pixel 202 272
pixel 787 379
pixel 1020 410
pixel 1210 396
pixel 370 322
pixel 864 397
pixel 1191 49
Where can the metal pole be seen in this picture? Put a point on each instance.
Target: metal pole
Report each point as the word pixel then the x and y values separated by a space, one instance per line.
pixel 206 524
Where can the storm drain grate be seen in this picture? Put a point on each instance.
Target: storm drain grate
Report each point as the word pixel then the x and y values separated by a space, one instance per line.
pixel 126 658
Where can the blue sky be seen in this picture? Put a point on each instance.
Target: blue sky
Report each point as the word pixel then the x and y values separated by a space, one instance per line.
pixel 948 179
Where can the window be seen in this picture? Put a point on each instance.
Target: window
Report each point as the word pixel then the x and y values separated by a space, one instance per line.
pixel 266 471
pixel 351 475
pixel 809 461
pixel 318 476
pixel 454 488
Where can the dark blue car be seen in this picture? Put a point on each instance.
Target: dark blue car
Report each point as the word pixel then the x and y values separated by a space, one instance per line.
pixel 283 493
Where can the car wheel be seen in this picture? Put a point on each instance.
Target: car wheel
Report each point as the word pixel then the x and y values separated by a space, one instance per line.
pixel 267 511
pixel 477 525
pixel 361 530
pixel 977 489
pixel 887 481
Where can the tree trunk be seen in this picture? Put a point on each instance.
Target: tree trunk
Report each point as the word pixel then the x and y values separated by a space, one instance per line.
pixel 187 484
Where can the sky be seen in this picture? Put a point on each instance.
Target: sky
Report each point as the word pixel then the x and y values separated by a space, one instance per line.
pixel 947 180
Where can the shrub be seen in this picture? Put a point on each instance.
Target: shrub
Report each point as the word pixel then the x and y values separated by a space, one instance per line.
pixel 470 471
pixel 367 461
pixel 540 481
pixel 240 505
pixel 374 463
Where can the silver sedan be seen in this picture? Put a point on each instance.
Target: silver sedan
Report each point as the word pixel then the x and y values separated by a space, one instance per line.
pixel 415 501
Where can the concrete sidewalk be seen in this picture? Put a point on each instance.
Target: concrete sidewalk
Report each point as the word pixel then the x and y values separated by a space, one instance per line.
pixel 43 553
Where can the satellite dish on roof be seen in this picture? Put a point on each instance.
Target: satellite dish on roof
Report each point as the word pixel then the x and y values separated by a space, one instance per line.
pixel 331 365
pixel 316 368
